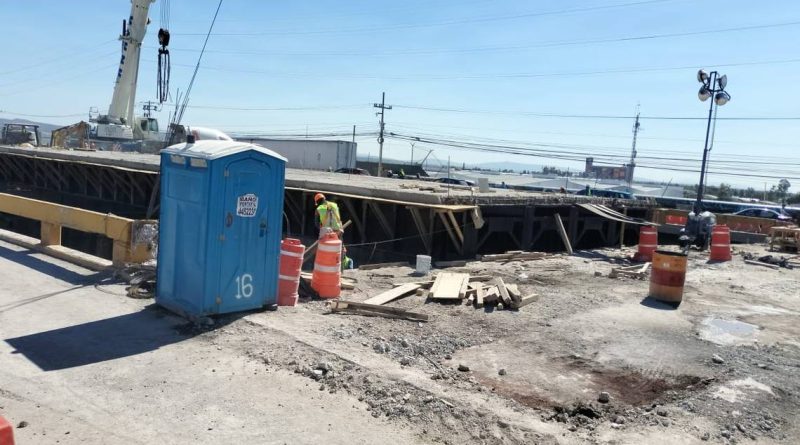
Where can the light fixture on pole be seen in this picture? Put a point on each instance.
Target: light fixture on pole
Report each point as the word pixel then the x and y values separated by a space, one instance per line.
pixel 713 85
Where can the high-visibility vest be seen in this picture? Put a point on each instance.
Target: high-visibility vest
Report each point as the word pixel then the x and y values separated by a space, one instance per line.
pixel 329 215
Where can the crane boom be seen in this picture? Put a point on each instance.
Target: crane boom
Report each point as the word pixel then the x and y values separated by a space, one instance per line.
pixel 121 109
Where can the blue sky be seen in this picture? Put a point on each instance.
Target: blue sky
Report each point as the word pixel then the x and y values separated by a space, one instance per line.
pixel 333 59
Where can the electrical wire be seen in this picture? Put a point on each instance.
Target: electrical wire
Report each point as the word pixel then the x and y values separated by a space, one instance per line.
pixel 178 116
pixel 590 116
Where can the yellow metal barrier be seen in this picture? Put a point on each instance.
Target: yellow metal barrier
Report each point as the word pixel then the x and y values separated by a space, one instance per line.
pixel 55 216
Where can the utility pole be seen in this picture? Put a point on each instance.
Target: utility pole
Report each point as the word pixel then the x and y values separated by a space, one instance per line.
pixel 632 164
pixel 354 134
pixel 412 153
pixel 383 108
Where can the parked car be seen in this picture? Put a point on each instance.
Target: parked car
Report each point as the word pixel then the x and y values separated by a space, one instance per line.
pixel 764 213
pixel 353 171
pixel 454 181
pixel 607 194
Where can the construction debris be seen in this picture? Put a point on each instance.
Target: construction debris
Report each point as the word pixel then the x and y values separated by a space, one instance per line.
pixel 374 310
pixel 515 255
pixel 637 271
pixel 773 262
pixel 450 286
pixel 382 265
pixel 393 294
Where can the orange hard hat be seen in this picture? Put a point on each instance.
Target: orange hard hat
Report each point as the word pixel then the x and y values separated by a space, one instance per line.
pixel 318 197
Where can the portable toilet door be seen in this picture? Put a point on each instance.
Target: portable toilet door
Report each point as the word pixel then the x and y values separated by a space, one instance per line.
pixel 245 252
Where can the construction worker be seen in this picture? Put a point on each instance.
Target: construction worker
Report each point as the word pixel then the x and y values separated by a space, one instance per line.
pixel 327 217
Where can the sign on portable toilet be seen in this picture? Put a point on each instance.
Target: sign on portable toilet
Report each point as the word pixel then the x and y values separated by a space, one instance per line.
pixel 220 227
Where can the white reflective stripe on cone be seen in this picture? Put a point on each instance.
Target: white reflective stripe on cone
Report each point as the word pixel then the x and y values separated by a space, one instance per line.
pixel 294 254
pixel 648 245
pixel 324 248
pixel 327 268
pixel 288 278
pixel 720 245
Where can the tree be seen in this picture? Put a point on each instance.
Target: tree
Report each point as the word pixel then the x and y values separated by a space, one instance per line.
pixel 725 192
pixel 783 187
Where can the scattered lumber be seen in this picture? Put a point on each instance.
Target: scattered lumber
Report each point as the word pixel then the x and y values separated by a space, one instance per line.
pixel 516 255
pixel 374 310
pixel 636 271
pixel 393 294
pixel 503 291
pixel 759 263
pixel 563 232
pixel 456 263
pixel 525 301
pixel 382 265
pixel 479 296
pixel 450 286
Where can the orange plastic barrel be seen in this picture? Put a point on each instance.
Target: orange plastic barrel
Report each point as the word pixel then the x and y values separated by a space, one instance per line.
pixel 668 276
pixel 648 243
pixel 720 243
pixel 6 432
pixel 291 261
pixel 326 279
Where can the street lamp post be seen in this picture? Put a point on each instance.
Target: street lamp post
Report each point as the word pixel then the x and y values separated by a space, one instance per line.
pixel 713 86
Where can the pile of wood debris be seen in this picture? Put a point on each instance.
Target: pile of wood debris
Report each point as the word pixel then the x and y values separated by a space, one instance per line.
pixel 477 291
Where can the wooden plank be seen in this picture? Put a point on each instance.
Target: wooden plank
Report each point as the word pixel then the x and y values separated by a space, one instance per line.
pixel 393 294
pixel 474 278
pixel 514 293
pixel 759 263
pixel 526 301
pixel 449 286
pixel 464 286
pixel 382 265
pixel 479 295
pixel 456 263
pixel 501 288
pixel 563 232
pixel 342 306
pixel 492 295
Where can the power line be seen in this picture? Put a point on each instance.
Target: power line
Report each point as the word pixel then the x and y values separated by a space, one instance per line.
pixel 500 48
pixel 485 76
pixel 592 116
pixel 579 156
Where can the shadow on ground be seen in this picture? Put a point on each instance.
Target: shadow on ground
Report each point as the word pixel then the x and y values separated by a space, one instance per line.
pixel 108 339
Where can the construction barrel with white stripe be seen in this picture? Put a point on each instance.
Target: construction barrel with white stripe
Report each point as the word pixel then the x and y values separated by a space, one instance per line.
pixel 720 243
pixel 289 271
pixel 326 279
pixel 648 243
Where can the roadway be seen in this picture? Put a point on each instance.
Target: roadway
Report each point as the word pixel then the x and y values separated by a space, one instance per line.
pixel 82 363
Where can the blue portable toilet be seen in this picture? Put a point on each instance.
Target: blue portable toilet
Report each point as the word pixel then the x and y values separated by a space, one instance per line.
pixel 220 227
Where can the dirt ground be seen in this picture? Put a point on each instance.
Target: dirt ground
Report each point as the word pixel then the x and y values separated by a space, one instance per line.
pixel 721 368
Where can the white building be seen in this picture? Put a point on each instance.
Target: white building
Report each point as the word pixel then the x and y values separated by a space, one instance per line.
pixel 310 154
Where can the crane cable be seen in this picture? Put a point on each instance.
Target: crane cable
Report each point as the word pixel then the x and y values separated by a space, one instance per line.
pixel 162 85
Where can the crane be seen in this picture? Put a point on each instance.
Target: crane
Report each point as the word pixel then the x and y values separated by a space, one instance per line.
pixel 120 126
pixel 120 122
